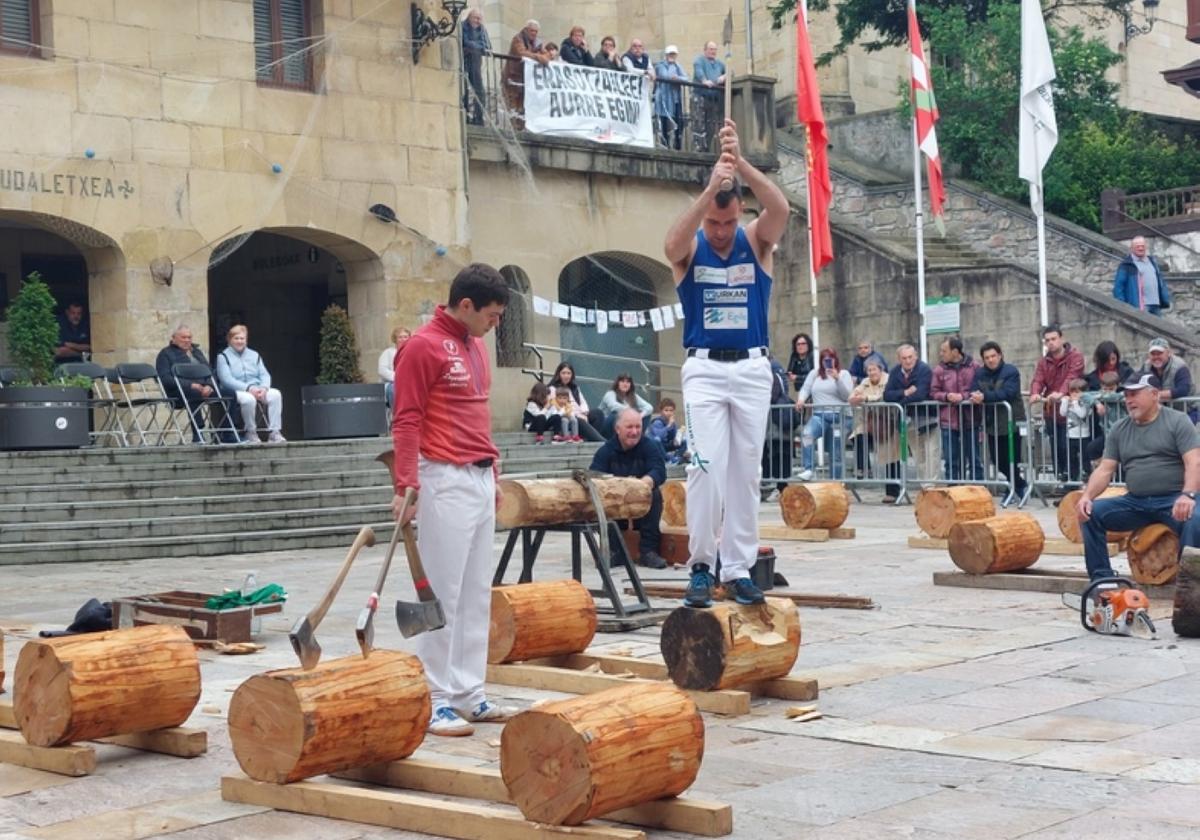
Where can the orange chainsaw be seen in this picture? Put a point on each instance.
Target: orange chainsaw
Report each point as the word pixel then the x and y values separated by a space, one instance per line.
pixel 1113 606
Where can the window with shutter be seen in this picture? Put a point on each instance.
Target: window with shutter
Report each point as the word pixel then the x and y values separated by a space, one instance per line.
pixel 19 27
pixel 282 43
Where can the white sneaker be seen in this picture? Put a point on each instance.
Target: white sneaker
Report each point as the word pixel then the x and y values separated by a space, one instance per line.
pixel 446 721
pixel 276 437
pixel 805 475
pixel 489 712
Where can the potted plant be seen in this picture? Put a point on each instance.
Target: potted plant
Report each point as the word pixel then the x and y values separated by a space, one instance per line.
pixel 341 405
pixel 38 413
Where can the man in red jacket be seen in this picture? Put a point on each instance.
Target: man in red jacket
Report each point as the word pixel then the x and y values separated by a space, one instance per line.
pixel 441 430
pixel 1053 374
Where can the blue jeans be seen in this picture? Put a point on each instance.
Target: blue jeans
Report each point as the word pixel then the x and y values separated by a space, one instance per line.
pixel 826 425
pixel 960 448
pixel 1127 513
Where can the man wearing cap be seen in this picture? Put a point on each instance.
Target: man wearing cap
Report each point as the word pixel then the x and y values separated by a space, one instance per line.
pixel 1158 451
pixel 1174 375
pixel 722 273
pixel 668 98
pixel 1139 281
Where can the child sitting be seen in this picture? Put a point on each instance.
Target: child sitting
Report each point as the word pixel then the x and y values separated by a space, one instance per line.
pixel 565 409
pixel 539 417
pixel 664 430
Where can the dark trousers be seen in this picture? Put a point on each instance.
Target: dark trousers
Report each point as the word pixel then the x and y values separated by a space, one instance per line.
pixel 222 414
pixel 542 424
pixel 1056 437
pixel 649 533
pixel 474 96
pixel 998 444
pixel 1127 513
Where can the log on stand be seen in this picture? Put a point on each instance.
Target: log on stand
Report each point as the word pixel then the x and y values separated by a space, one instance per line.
pixel 568 761
pixel 674 495
pixel 555 501
pixel 1153 555
pixel 731 644
pixel 938 509
pixel 823 505
pixel 1000 544
pixel 292 724
pixel 1068 519
pixel 1185 620
pixel 549 618
pixel 79 688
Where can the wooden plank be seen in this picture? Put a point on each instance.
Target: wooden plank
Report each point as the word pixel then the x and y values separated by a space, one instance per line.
pixel 8 719
pixel 782 532
pixel 787 688
pixel 842 533
pixel 694 816
pixel 178 741
pixel 1054 545
pixel 1038 580
pixel 569 681
pixel 803 599
pixel 927 542
pixel 71 760
pixel 407 812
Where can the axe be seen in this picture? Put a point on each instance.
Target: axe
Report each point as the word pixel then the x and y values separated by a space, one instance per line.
pixel 365 628
pixel 303 635
pixel 426 613
pixel 727 37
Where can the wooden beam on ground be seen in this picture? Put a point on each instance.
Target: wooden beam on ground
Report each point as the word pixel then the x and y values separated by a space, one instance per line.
pixel 8 720
pixel 1054 545
pixel 803 599
pixel 783 688
pixel 71 760
pixel 570 681
pixel 1038 580
pixel 786 688
pixel 178 741
pixel 710 819
pixel 407 812
pixel 783 532
pixel 928 542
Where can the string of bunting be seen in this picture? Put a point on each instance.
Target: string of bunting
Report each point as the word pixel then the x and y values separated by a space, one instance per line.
pixel 660 317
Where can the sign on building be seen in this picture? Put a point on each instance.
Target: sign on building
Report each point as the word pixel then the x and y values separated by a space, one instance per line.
pixel 588 103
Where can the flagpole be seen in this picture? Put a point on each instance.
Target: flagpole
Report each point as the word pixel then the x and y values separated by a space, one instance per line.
pixel 812 274
pixel 920 220
pixel 1039 213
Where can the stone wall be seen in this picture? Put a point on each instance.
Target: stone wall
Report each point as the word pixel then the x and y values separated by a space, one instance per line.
pixel 1181 256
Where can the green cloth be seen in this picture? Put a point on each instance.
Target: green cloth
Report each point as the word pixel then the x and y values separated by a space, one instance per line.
pixel 265 595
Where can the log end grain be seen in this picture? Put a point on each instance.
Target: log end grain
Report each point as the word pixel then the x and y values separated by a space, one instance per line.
pixel 1153 555
pixel 43 706
pixel 674 496
pixel 263 717
pixel 730 644
pixel 543 618
pixel 938 509
pixel 1185 620
pixel 549 774
pixel 816 505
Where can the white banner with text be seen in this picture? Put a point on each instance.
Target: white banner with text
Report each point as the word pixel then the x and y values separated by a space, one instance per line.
pixel 588 103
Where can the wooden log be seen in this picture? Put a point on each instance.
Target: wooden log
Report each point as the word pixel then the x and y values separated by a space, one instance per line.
pixel 1000 544
pixel 540 619
pixel 554 501
pixel 674 495
pixel 79 688
pixel 729 644
pixel 571 760
pixel 1153 555
pixel 291 724
pixel 1185 620
pixel 672 544
pixel 1068 519
pixel 822 505
pixel 938 509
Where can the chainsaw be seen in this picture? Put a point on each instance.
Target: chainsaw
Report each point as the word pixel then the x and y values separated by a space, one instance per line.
pixel 1113 606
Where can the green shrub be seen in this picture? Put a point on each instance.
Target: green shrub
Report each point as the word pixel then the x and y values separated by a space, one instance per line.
pixel 339 349
pixel 33 329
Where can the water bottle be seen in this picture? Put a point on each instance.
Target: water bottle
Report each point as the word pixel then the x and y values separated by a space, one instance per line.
pixel 249 585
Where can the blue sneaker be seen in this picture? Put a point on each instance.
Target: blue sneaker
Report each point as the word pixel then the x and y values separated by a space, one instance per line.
pixel 446 721
pixel 745 592
pixel 489 712
pixel 699 590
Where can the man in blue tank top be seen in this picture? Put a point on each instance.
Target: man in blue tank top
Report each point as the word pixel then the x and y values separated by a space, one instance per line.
pixel 722 272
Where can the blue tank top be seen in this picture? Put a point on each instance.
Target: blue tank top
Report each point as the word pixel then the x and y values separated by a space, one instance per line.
pixel 725 300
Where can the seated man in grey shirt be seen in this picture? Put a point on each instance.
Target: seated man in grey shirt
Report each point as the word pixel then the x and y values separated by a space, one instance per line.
pixel 1158 451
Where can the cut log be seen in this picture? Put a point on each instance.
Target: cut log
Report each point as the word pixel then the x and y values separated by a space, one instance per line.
pixel 568 761
pixel 674 495
pixel 78 688
pixel 1153 555
pixel 1185 620
pixel 554 501
pixel 540 619
pixel 939 509
pixel 292 724
pixel 1068 519
pixel 729 644
pixel 823 505
pixel 1000 544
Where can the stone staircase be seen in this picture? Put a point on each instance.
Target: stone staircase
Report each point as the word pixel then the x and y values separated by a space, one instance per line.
pixel 128 504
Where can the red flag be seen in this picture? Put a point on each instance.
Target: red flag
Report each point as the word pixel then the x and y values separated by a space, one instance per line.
pixel 926 114
pixel 811 116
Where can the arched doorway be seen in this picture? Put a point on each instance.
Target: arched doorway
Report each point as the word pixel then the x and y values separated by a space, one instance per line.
pixel 513 331
pixel 278 284
pixel 613 281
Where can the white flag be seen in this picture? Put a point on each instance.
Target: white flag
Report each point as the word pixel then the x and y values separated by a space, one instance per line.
pixel 1039 130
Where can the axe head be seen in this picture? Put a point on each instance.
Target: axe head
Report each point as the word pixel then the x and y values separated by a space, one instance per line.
pixel 364 630
pixel 417 617
pixel 304 642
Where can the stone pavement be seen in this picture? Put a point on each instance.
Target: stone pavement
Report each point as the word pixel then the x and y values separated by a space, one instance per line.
pixel 949 713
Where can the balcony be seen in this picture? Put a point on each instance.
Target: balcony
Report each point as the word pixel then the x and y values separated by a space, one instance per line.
pixel 1160 213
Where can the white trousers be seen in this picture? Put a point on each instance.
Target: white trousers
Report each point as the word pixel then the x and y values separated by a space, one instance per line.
pixel 247 403
pixel 726 406
pixel 456 523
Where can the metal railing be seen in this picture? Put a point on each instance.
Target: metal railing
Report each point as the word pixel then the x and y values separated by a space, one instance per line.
pixel 644 366
pixel 687 114
pixel 1159 213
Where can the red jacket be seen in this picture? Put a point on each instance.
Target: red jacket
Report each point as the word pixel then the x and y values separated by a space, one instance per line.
pixel 1053 375
pixel 441 402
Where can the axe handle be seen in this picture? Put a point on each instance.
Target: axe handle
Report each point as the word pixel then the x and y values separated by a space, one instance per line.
pixel 387 560
pixel 727 184
pixel 424 590
pixel 366 537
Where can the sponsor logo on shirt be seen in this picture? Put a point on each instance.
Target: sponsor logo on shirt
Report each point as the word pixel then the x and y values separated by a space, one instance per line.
pixel 726 295
pixel 741 274
pixel 726 318
pixel 450 346
pixel 711 274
